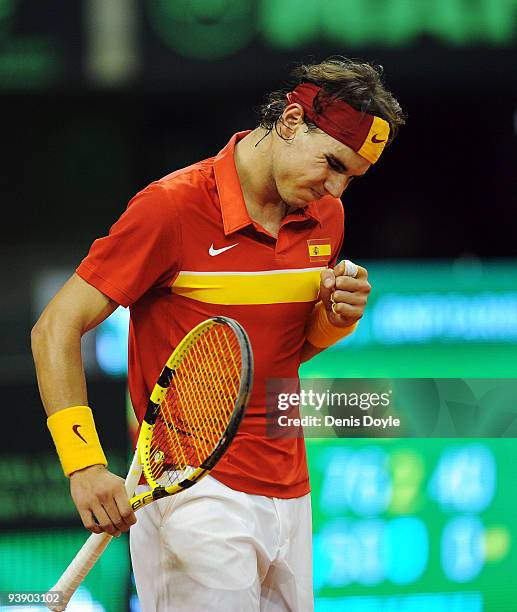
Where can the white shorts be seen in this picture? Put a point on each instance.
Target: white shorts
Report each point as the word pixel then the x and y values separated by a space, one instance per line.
pixel 214 549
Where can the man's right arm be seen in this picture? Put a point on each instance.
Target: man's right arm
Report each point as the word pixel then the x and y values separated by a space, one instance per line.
pixel 56 347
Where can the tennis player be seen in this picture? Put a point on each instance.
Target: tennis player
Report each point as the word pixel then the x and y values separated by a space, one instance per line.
pixel 253 233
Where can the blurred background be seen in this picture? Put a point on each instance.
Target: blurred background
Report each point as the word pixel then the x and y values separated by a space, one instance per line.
pixel 100 97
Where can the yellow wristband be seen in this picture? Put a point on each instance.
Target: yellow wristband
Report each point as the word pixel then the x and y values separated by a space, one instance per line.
pixel 74 434
pixel 320 331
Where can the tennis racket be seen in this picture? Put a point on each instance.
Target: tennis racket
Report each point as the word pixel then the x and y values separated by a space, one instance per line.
pixel 193 415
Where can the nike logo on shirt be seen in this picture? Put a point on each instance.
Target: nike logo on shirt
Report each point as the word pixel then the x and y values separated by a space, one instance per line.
pixel 213 252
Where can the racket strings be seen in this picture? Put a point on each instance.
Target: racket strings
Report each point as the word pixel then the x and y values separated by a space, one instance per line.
pixel 220 391
pixel 205 411
pixel 198 405
pixel 217 397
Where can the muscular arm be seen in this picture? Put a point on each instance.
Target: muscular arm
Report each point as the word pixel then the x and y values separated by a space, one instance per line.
pixel 56 342
pixel 56 347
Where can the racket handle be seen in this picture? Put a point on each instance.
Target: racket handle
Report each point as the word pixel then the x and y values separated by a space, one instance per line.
pixel 91 550
pixel 79 568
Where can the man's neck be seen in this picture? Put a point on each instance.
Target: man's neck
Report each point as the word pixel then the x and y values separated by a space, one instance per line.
pixel 253 163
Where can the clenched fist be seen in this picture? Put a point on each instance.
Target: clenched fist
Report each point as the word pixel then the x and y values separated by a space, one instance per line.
pixel 344 293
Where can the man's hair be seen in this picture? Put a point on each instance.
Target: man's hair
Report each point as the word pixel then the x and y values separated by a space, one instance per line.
pixel 356 82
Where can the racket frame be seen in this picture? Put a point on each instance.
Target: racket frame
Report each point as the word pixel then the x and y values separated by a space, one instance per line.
pixel 158 395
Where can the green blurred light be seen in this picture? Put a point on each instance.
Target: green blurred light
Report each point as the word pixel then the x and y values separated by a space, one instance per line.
pixel 285 26
pixel 407 473
pixel 7 9
pixel 34 560
pixel 29 62
pixel 497 543
pixel 390 23
pixel 49 496
pixel 26 61
pixel 204 29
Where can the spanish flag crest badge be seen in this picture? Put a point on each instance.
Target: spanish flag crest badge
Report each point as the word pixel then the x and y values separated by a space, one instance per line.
pixel 319 249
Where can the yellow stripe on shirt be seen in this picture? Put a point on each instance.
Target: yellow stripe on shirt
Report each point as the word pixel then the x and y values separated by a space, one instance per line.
pixel 235 288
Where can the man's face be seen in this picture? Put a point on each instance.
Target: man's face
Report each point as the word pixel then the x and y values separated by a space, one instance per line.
pixel 312 165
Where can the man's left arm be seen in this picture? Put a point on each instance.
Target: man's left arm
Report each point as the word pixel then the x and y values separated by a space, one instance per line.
pixel 343 299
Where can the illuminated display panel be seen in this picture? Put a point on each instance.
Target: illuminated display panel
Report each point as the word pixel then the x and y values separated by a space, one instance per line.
pixel 448 319
pixel 413 525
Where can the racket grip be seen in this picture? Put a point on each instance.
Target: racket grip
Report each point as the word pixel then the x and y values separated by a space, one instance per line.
pixel 79 568
pixel 91 550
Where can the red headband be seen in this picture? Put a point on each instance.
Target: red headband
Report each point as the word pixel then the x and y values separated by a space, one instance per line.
pixel 364 133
